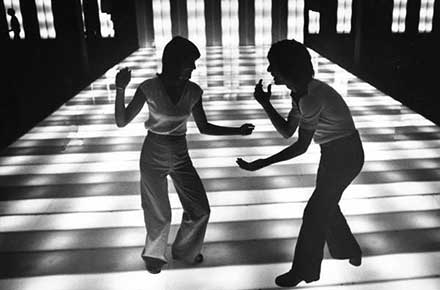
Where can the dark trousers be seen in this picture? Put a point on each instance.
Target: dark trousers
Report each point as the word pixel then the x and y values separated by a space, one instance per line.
pixel 341 161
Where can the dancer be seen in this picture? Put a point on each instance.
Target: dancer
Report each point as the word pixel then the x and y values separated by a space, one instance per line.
pixel 320 113
pixel 171 98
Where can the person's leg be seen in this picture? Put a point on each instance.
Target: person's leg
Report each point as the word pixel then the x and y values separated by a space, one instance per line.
pixel 155 203
pixel 338 166
pixel 189 240
pixel 157 212
pixel 309 248
pixel 340 240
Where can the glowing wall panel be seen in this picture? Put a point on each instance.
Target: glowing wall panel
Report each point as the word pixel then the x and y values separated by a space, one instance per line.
pixel 313 22
pixel 196 22
pixel 14 4
pixel 162 23
pixel 399 16
pixel 263 22
pixel 45 18
pixel 107 29
pixel 344 12
pixel 83 16
pixel 295 20
pixel 426 15
pixel 230 35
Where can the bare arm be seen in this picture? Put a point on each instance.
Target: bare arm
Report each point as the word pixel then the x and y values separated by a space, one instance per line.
pixel 285 127
pixel 124 115
pixel 210 129
pixel 296 149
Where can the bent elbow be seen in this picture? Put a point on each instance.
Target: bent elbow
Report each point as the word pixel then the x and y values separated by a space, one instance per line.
pixel 302 148
pixel 120 123
pixel 203 130
pixel 287 134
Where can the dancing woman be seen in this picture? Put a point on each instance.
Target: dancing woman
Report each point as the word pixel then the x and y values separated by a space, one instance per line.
pixel 171 98
pixel 321 114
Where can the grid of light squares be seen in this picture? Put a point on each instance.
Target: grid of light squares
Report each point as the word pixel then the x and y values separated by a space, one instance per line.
pixel 107 29
pixel 161 22
pixel 14 4
pixel 426 15
pixel 196 21
pixel 45 18
pixel 263 22
pixel 344 12
pixel 230 35
pixel 313 22
pixel 399 16
pixel 295 20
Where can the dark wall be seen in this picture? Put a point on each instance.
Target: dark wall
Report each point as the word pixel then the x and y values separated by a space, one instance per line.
pixel 400 64
pixel 42 74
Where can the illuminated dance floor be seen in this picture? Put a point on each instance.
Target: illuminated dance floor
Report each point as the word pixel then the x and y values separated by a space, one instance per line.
pixel 70 215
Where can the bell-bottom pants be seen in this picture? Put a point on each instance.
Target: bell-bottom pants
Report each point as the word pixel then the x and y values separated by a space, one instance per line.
pixel 162 156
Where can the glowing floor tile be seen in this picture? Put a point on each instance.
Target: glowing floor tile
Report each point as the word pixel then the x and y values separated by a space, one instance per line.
pixel 376 273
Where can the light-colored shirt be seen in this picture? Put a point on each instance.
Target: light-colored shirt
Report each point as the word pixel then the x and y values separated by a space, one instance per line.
pixel 324 110
pixel 165 117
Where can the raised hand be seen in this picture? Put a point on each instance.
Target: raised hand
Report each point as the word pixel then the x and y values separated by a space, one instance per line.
pixel 123 77
pixel 251 166
pixel 261 96
pixel 246 129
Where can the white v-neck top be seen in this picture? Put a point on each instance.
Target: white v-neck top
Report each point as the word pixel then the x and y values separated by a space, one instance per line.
pixel 165 117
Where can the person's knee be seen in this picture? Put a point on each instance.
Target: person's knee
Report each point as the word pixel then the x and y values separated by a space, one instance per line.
pixel 201 213
pixel 311 213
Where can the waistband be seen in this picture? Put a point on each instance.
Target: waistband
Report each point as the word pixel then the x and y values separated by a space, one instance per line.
pixel 341 141
pixel 167 137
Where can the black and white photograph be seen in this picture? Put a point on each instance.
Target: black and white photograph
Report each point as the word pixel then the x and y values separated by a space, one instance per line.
pixel 220 144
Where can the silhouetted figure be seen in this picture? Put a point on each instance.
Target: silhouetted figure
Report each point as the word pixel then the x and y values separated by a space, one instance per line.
pixel 15 24
pixel 320 113
pixel 171 98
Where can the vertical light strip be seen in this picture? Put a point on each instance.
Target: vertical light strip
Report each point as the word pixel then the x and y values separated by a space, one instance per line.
pixel 426 15
pixel 83 16
pixel 106 23
pixel 49 18
pixel 295 20
pixel 399 16
pixel 229 16
pixel 230 39
pixel 45 18
pixel 344 12
pixel 313 22
pixel 263 22
pixel 196 22
pixel 14 4
pixel 162 23
pixel 196 33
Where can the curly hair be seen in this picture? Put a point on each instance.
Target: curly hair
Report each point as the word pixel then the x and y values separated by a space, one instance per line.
pixel 292 59
pixel 175 53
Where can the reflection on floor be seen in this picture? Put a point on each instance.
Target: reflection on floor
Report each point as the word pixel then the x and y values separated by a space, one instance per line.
pixel 70 215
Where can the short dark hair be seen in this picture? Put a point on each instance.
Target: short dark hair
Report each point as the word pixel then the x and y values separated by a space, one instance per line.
pixel 177 51
pixel 292 59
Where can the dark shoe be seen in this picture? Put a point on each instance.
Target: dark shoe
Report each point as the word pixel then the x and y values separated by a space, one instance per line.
pixel 197 260
pixel 356 261
pixel 289 279
pixel 153 265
